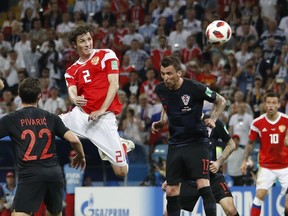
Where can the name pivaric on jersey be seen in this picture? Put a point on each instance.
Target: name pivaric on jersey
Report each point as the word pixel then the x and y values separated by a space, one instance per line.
pixel 33 130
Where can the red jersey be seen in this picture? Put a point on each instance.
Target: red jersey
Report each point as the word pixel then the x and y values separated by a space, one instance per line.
pixel 91 79
pixel 189 54
pixel 124 74
pixel 273 153
pixel 137 14
pixel 157 55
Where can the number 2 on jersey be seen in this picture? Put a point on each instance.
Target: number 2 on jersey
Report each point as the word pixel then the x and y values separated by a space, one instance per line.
pixel 44 155
pixel 86 76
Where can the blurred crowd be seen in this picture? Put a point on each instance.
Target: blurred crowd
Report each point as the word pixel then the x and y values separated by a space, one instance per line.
pixel 141 33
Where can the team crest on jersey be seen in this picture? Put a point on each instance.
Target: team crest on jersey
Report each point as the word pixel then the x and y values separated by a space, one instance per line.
pixel 95 60
pixel 185 98
pixel 282 128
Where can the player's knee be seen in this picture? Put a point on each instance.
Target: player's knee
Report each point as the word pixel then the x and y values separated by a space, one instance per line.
pixel 230 210
pixel 172 190
pixel 121 172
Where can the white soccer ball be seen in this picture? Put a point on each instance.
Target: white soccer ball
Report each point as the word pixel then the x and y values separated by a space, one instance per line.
pixel 218 32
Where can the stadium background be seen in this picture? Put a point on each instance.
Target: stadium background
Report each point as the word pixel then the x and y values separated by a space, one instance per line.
pixel 142 160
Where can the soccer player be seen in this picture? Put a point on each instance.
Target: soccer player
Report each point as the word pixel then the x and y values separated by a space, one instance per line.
pixel 188 152
pixel 33 130
pixel 222 194
pixel 93 82
pixel 188 191
pixel 271 129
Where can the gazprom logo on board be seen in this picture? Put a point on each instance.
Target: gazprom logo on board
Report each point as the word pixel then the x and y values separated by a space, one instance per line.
pixel 88 208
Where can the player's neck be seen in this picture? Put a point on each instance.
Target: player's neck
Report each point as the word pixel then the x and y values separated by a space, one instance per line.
pixel 272 117
pixel 29 105
pixel 177 85
pixel 85 57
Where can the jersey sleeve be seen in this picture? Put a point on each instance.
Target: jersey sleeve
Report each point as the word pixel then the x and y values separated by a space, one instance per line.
pixel 206 93
pixel 70 80
pixel 4 122
pixel 222 131
pixel 61 129
pixel 253 133
pixel 112 63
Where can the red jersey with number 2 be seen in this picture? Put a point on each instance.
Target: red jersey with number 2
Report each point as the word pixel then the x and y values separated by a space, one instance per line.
pixel 91 79
pixel 273 153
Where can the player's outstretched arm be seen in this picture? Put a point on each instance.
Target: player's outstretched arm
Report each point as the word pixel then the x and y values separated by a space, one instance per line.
pixel 229 148
pixel 113 88
pixel 74 98
pixel 247 152
pixel 219 106
pixel 79 160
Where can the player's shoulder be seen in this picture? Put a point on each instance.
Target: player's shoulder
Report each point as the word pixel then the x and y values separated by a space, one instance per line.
pixel 260 118
pixel 284 116
pixel 161 87
pixel 72 67
pixel 193 83
pixel 45 113
pixel 106 53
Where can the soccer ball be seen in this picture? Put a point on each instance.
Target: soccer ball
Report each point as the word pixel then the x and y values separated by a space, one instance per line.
pixel 218 32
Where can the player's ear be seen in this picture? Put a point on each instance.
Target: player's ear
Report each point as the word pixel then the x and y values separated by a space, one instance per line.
pixel 39 97
pixel 180 72
pixel 73 45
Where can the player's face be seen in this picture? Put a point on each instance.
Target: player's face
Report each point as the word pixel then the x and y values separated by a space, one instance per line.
pixel 272 105
pixel 84 44
pixel 171 77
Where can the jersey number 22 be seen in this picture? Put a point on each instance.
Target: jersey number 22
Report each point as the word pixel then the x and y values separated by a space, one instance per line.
pixel 33 139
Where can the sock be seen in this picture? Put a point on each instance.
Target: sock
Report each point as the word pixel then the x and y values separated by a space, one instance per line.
pixel 187 203
pixel 256 207
pixel 208 201
pixel 125 151
pixel 124 148
pixel 173 206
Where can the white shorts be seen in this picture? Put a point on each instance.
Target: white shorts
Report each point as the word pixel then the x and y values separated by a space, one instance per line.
pixel 103 133
pixel 266 178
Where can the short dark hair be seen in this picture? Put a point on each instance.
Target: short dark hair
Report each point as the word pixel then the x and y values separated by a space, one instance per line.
pixel 271 94
pixel 171 60
pixel 29 90
pixel 80 30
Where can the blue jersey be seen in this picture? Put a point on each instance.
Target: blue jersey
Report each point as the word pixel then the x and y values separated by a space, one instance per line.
pixel 74 178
